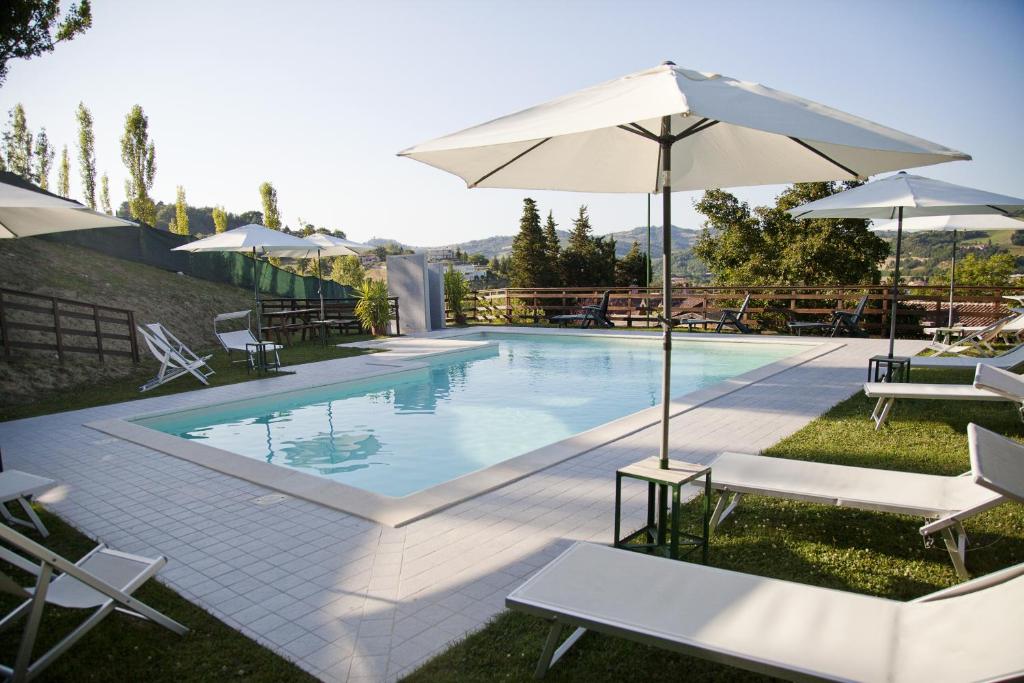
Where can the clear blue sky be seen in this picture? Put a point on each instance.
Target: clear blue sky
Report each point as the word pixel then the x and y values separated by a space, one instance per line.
pixel 317 97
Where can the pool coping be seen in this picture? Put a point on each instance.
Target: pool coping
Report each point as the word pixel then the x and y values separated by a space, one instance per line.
pixel 397 512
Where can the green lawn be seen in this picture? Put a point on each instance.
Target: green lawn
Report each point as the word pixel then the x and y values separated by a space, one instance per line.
pixel 227 371
pixel 846 549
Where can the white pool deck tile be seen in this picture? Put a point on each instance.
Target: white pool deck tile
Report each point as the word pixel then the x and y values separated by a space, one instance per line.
pixel 348 599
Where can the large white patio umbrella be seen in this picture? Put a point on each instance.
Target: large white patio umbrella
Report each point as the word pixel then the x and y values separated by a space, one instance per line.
pixel 326 245
pixel 250 238
pixel 670 128
pixel 951 224
pixel 902 196
pixel 26 211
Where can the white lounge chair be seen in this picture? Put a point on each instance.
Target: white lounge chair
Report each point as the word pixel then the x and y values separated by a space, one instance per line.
pixel 944 502
pixel 946 335
pixel 887 393
pixel 21 486
pixel 980 341
pixel 243 340
pixel 1007 361
pixel 175 358
pixel 970 632
pixel 102 581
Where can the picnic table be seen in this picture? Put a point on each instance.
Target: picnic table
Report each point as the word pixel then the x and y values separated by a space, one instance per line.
pixel 283 323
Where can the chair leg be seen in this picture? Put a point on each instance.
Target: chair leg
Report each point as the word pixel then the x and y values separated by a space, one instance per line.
pixel 544 663
pixel 957 548
pixel 881 412
pixel 727 502
pixel 31 514
pixel 35 616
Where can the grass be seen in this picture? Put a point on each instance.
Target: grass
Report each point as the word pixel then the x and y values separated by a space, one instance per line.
pixel 127 388
pixel 124 648
pixel 865 552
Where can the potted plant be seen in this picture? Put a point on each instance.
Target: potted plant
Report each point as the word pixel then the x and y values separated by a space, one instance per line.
pixel 455 290
pixel 373 308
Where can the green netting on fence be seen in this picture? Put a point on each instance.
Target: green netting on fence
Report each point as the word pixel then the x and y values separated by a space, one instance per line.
pixel 153 248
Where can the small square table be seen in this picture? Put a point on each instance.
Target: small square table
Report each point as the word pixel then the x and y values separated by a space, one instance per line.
pixel 677 474
pixel 257 353
pixel 897 368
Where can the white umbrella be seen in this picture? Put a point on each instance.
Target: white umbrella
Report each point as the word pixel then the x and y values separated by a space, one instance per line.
pixel 947 224
pixel 903 196
pixel 26 211
pixel 325 245
pixel 666 129
pixel 249 239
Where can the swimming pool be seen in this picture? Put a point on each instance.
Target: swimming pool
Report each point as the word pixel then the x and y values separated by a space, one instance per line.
pixel 404 432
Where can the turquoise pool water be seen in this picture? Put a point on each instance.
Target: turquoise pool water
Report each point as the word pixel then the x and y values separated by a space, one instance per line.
pixel 407 431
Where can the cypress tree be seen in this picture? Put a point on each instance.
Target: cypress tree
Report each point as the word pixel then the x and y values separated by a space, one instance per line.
pixel 552 252
pixel 580 255
pixel 528 247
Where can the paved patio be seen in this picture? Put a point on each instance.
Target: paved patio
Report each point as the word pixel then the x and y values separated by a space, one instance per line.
pixel 348 599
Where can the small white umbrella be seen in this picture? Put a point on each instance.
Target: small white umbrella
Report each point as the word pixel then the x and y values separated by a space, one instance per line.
pixel 670 128
pixel 325 245
pixel 26 211
pixel 902 196
pixel 250 238
pixel 951 224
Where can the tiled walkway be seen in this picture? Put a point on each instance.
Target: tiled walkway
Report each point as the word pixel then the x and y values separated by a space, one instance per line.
pixel 347 599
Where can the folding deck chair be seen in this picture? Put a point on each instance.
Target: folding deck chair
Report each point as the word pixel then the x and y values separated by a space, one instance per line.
pixel 175 358
pixel 589 315
pixel 944 502
pixel 945 335
pixel 243 340
pixel 979 342
pixel 846 321
pixel 19 486
pixel 1008 360
pixel 102 581
pixel 990 384
pixel 970 632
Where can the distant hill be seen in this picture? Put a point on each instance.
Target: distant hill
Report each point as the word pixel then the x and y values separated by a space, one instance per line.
pixel 682 240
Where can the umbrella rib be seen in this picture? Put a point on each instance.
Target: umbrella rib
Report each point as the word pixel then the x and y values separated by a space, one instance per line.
pixel 996 208
pixel 509 162
pixel 824 156
pixel 698 127
pixel 637 129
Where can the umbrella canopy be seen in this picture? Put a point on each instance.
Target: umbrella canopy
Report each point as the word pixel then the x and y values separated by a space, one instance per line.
pixel 26 210
pixel 249 238
pixel 904 196
pixel 326 245
pixel 951 224
pixel 666 129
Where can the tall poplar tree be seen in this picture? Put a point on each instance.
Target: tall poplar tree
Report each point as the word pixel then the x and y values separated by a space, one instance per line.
pixel 64 174
pixel 105 195
pixel 528 247
pixel 18 143
pixel 43 153
pixel 179 225
pixel 86 155
pixel 139 155
pixel 271 216
pixel 552 253
pixel 220 219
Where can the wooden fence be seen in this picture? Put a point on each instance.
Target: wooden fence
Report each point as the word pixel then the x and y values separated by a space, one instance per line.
pixel 33 322
pixel 770 307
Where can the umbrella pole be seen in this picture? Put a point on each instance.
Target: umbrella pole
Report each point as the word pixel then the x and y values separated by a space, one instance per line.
pixel 896 282
pixel 666 286
pixel 256 295
pixel 952 280
pixel 647 267
pixel 320 283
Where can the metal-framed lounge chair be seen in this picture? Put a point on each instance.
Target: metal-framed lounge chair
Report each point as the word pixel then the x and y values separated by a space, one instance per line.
pixel 1007 361
pixel 944 502
pixel 845 322
pixel 589 315
pixel 1010 333
pixel 175 360
pixel 970 632
pixel 19 486
pixel 102 581
pixel 243 340
pixel 1009 387
pixel 979 342
pixel 731 317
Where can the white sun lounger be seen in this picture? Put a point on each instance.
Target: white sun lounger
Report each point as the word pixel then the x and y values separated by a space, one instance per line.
pixel 980 341
pixel 243 340
pixel 944 502
pixel 21 486
pixel 887 393
pixel 175 358
pixel 1006 361
pixel 102 581
pixel 971 632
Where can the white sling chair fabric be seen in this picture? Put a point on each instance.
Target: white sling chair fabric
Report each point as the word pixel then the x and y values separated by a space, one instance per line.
pixel 19 486
pixel 173 362
pixel 240 340
pixel 102 581
pixel 785 629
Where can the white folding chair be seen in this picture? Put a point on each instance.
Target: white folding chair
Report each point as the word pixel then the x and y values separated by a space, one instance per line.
pixel 243 340
pixel 173 363
pixel 21 486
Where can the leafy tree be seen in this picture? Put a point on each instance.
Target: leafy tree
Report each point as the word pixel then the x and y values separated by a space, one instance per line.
pixel 979 271
pixel 382 251
pixel 43 153
pixel 105 195
pixel 347 270
pixel 64 174
pixel 767 246
pixel 139 155
pixel 632 268
pixel 18 143
pixel 86 154
pixel 552 253
pixel 271 216
pixel 29 28
pixel 478 259
pixel 456 289
pixel 179 225
pixel 1017 237
pixel 220 219
pixel 528 253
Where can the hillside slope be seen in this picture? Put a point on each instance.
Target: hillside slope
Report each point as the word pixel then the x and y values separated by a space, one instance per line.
pixel 185 305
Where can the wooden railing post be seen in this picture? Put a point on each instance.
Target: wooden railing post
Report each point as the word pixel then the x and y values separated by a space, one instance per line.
pixel 99 332
pixel 57 330
pixel 4 338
